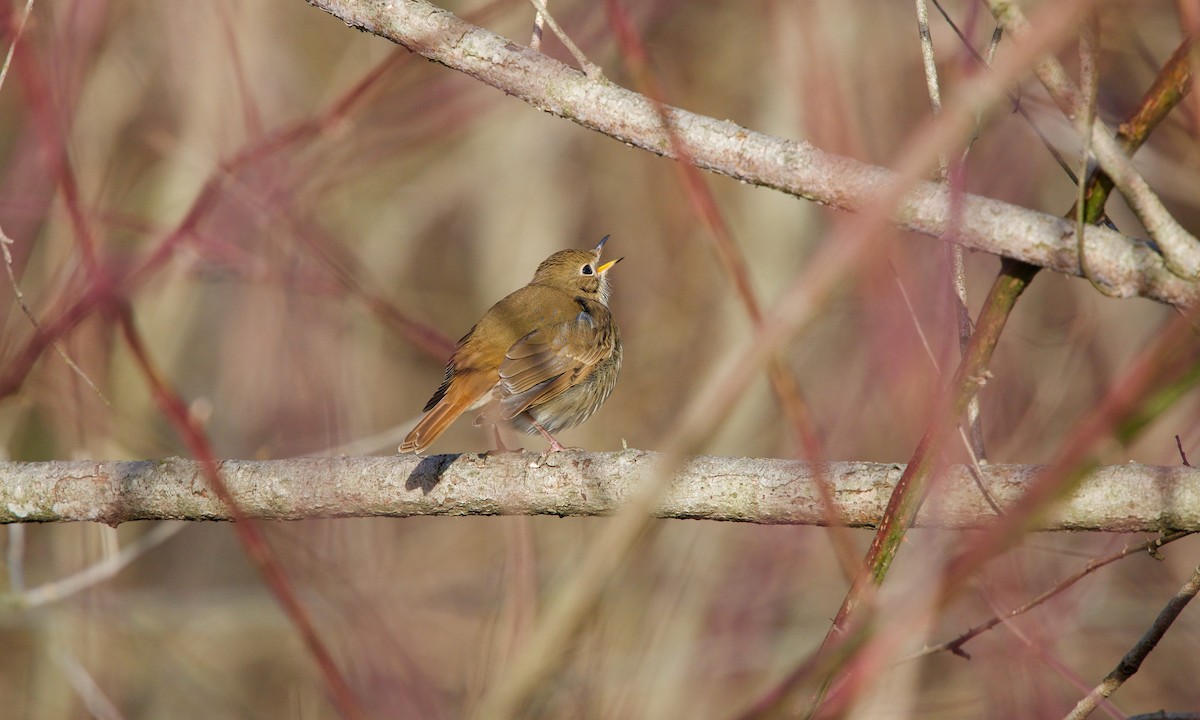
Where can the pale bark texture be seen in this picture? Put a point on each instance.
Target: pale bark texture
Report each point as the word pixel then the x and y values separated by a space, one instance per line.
pixel 1127 267
pixel 1113 498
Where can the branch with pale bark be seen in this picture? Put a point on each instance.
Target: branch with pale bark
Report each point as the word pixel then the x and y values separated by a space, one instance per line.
pixel 1127 267
pixel 1113 498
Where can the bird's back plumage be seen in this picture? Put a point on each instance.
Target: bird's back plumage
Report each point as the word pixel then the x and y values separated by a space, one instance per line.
pixel 550 352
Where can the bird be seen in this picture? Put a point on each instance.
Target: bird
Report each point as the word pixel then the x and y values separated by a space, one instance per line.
pixel 543 359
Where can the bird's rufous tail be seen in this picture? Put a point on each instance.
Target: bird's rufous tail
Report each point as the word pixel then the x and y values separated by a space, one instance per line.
pixel 459 397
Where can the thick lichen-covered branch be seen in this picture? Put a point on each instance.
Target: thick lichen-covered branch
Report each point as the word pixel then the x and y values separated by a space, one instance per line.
pixel 1114 498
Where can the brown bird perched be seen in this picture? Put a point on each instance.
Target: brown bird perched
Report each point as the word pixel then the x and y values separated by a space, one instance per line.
pixel 544 358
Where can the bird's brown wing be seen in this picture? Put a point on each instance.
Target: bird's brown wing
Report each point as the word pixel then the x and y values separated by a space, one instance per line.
pixel 548 361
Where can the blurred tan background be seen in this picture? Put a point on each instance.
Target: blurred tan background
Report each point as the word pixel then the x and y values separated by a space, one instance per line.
pixel 333 212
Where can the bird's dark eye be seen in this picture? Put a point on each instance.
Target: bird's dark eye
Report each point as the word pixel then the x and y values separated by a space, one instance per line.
pixel 587 270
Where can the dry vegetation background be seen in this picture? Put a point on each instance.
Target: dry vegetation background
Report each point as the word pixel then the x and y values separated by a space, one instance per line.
pixel 303 217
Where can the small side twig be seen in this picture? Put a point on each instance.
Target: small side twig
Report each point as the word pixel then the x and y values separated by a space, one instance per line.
pixel 16 38
pixel 90 693
pixel 955 645
pixel 1182 454
pixel 976 469
pixel 589 68
pixel 958 270
pixel 539 22
pixel 5 241
pixel 931 76
pixel 1036 650
pixel 101 571
pixel 1132 661
pixel 1013 98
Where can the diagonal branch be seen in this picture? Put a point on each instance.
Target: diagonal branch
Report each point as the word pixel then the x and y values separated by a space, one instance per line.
pixel 1128 267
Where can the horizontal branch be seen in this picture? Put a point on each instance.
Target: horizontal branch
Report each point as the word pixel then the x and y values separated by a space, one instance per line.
pixel 1128 267
pixel 1114 498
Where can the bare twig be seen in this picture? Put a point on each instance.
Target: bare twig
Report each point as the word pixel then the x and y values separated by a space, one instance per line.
pixel 97 572
pixel 248 532
pixel 589 68
pixel 976 468
pixel 8 56
pixel 5 241
pixel 539 22
pixel 912 315
pixel 958 270
pixel 986 61
pixel 930 65
pixel 90 693
pixel 1119 413
pixel 1037 650
pixel 1132 661
pixel 955 646
pixel 1017 106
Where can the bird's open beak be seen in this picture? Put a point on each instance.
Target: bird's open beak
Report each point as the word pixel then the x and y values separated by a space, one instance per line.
pixel 604 268
pixel 599 248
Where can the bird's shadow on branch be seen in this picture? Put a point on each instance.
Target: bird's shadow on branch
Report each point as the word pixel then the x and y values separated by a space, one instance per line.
pixel 428 473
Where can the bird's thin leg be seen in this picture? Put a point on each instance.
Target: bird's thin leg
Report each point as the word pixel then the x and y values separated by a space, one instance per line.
pixel 500 446
pixel 555 445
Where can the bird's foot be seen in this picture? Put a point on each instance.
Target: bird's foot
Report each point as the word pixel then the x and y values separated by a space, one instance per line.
pixel 555 445
pixel 501 448
pixel 504 451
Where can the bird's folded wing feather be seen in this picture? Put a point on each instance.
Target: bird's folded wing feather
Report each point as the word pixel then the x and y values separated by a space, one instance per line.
pixel 547 362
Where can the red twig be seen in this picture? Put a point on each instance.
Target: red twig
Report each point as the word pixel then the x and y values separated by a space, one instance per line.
pixel 248 532
pixel 101 287
pixel 705 206
pixel 50 121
